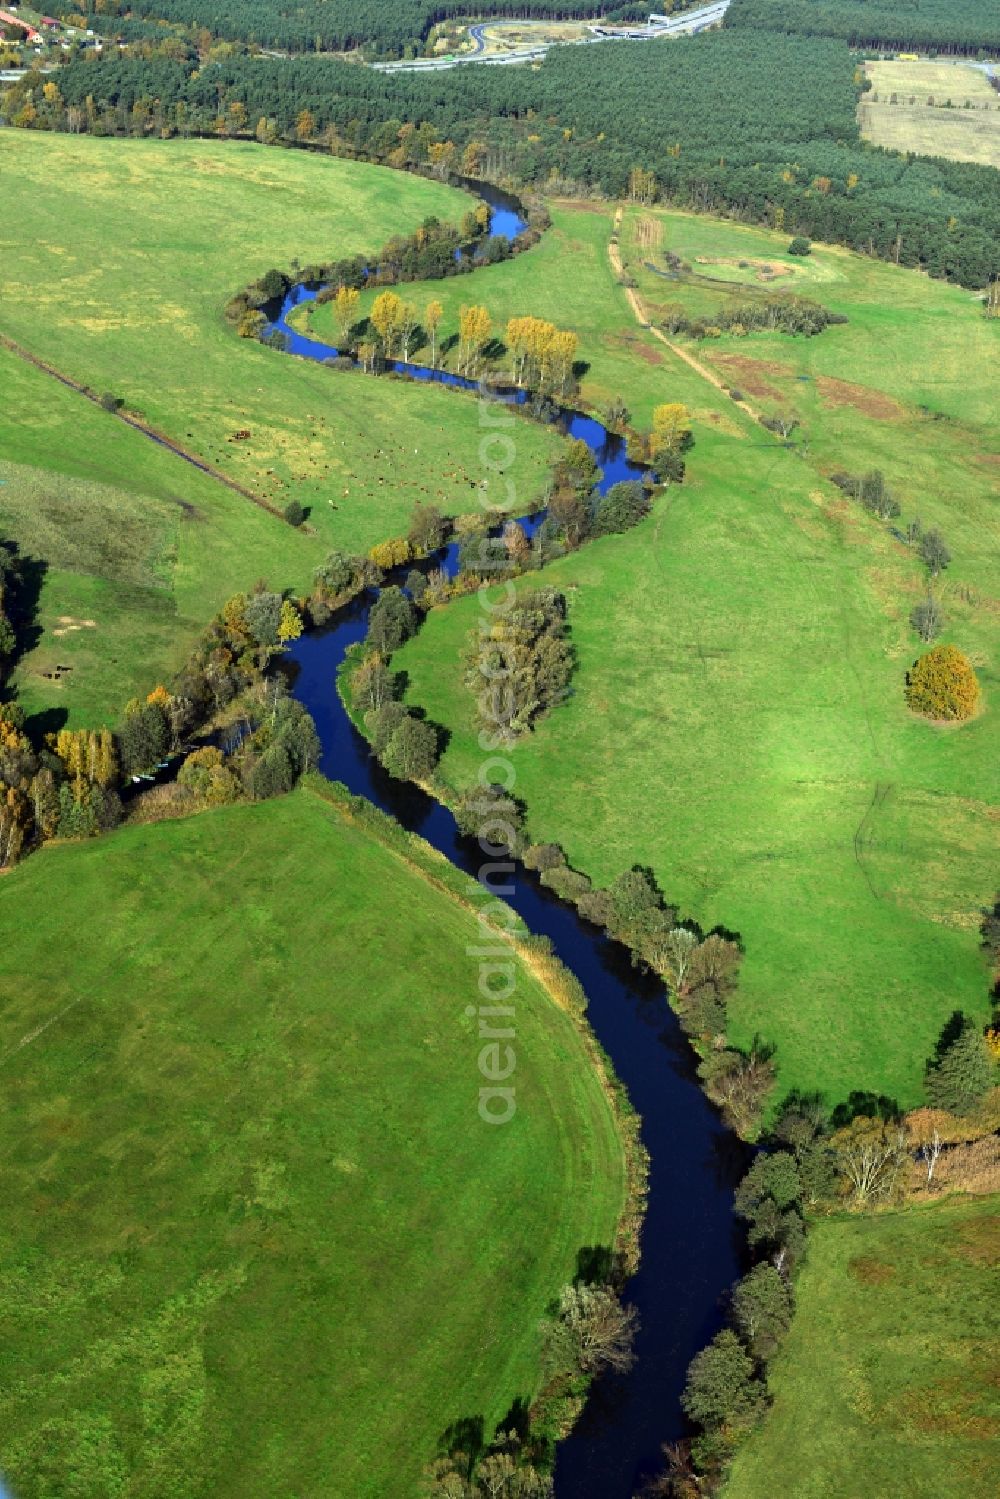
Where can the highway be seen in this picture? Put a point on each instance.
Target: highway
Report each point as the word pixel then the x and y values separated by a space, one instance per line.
pixel 687 24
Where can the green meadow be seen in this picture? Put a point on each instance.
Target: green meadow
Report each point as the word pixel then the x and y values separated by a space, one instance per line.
pixel 886 1383
pixel 119 257
pixel 248 1194
pixel 139 548
pixel 125 255
pixel 567 279
pixel 737 719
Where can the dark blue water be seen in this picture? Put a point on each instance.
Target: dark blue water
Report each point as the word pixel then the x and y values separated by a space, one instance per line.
pixel 691 1252
pixel 690 1249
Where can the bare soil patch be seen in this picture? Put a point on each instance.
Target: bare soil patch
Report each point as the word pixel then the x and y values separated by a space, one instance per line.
pixel 869 402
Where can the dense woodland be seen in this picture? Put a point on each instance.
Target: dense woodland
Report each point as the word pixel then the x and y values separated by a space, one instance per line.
pixel 759 126
pixel 389 28
pixel 964 26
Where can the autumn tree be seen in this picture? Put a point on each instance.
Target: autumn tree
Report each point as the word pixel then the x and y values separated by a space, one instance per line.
pixel 642 186
pixel 474 329
pixel 386 318
pixel 289 623
pixel 428 530
pixel 671 429
pixel 345 303
pixel 433 314
pixel 942 684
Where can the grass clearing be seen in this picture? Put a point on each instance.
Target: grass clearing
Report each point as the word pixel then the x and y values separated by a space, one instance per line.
pixel 886 1383
pixel 932 109
pixel 737 719
pixel 248 1192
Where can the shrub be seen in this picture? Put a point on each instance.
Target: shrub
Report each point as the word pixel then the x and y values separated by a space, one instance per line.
pixel 721 1388
pixel 762 1309
pixel 799 246
pixel 111 402
pixel 568 884
pixel 942 684
pixel 411 753
pixel 543 856
pixel 927 618
pixel 623 507
pixel 294 513
pixel 933 552
pixel 391 553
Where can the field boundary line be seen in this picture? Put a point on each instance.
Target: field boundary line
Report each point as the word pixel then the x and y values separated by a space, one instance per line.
pixel 138 425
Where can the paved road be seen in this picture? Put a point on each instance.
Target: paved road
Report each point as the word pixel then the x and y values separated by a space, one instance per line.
pixel 689 23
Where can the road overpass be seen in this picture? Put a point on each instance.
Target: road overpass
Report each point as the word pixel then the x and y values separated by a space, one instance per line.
pixel 689 23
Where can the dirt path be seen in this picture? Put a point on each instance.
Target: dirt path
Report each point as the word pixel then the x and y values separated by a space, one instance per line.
pixel 138 425
pixel 642 318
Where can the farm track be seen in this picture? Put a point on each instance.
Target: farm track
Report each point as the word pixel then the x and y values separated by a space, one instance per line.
pixel 138 425
pixel 642 318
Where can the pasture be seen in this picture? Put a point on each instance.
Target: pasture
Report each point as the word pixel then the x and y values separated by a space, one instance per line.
pixel 886 1382
pixel 932 109
pixel 119 257
pixel 737 719
pixel 248 1194
pixel 137 549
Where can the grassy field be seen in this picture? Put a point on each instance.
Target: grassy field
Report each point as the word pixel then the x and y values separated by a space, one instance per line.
pixel 248 1196
pixel 887 1382
pixel 567 279
pixel 139 548
pixel 939 110
pixel 119 257
pixel 737 719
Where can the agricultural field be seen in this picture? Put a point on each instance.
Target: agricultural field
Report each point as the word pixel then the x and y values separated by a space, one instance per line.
pixel 737 719
pixel 932 109
pixel 247 1187
pixel 886 1384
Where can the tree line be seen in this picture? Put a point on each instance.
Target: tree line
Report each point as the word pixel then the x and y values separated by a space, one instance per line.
pixel 962 26
pixel 860 1156
pixel 756 125
pixel 241 736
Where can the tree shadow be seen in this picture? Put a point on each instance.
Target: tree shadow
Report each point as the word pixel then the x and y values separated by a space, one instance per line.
pixel 463 1442
pixel 22 579
pixel 867 1105
pixel 46 721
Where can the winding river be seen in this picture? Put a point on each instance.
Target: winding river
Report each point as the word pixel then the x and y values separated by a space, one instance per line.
pixel 691 1250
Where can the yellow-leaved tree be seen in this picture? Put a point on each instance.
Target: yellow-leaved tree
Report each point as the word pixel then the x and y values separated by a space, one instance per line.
pixel 345 306
pixel 671 428
pixel 943 684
